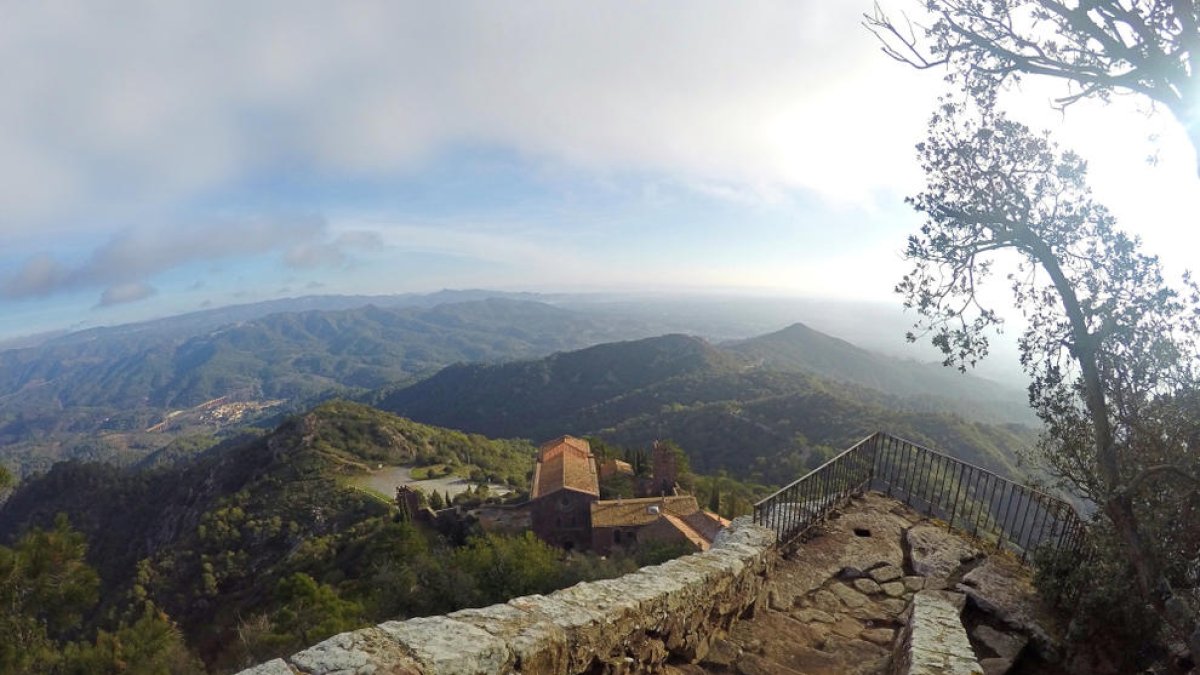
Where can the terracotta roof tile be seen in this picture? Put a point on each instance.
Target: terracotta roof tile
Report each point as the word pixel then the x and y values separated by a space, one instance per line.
pixel 637 512
pixel 698 540
pixel 706 523
pixel 565 464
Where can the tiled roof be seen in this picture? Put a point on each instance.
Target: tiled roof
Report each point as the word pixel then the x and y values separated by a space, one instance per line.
pixel 637 512
pixel 698 540
pixel 577 443
pixel 705 523
pixel 610 467
pixel 565 464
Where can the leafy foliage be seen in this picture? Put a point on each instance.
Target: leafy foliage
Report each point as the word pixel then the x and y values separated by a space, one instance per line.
pixel 46 589
pixel 259 548
pixel 1099 48
pixel 756 424
pixel 1111 347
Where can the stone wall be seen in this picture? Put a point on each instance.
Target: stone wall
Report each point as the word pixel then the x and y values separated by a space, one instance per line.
pixel 633 623
pixel 934 641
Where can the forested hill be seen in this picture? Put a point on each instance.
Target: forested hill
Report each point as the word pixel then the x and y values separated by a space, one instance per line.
pixel 94 398
pixel 799 348
pixel 728 413
pixel 210 541
pixel 537 399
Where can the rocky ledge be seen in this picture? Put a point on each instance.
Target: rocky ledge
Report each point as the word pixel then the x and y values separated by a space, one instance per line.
pixel 849 600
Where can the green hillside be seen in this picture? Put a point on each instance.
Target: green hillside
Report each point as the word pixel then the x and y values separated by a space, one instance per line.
pixel 262 537
pixel 76 398
pixel 729 414
pixel 799 348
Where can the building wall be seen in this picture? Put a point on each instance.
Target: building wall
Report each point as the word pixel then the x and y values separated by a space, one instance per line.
pixel 563 519
pixel 605 539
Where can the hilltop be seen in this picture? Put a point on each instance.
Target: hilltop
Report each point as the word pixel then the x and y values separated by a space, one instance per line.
pixel 262 545
pixel 728 412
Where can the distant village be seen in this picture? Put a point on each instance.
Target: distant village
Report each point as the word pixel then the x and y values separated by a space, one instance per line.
pixel 564 508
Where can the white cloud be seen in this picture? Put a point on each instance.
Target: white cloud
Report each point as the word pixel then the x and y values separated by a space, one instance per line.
pixel 117 111
pixel 122 293
pixel 120 116
pixel 335 253
pixel 135 254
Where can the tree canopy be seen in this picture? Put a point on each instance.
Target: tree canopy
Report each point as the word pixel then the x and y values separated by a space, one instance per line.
pixel 1099 48
pixel 1110 346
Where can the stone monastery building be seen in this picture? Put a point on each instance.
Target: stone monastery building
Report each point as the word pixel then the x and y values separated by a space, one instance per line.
pixel 566 510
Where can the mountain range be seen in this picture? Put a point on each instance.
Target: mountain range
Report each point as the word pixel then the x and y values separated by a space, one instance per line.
pixel 118 394
pixel 97 395
pixel 728 411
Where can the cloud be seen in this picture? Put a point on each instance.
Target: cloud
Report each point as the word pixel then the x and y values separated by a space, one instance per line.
pixel 137 254
pixel 155 105
pixel 334 253
pixel 40 275
pixel 122 293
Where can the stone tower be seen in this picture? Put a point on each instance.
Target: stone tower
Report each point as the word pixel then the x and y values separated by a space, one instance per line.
pixel 664 474
pixel 409 503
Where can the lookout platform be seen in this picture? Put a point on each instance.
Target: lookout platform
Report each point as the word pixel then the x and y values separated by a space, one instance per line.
pixel 839 602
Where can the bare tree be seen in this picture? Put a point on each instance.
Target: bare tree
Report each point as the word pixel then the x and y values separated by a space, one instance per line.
pixel 1110 346
pixel 1099 47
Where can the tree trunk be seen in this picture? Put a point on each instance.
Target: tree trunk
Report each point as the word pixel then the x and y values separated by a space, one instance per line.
pixel 1119 508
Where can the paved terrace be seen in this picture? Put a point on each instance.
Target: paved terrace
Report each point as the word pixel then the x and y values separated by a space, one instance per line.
pixel 838 604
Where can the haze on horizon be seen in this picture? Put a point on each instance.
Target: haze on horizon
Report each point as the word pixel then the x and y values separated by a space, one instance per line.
pixel 168 157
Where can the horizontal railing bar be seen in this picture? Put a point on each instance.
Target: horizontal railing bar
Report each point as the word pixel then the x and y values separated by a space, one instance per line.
pixel 979 468
pixel 931 481
pixel 815 471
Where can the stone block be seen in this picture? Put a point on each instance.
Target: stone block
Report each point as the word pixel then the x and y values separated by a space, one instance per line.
pixel 812 616
pixel 934 642
pixel 848 596
pixel 879 636
pixel 442 645
pixel 935 552
pixel 535 642
pixel 867 586
pixel 272 667
pixel 357 651
pixel 996 666
pixel 1006 645
pixel 886 573
pixel 1003 590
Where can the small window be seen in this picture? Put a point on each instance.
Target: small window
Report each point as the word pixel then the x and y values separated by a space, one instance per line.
pixel 616 536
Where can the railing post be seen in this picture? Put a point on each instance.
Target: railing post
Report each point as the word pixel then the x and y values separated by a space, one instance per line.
pixel 949 487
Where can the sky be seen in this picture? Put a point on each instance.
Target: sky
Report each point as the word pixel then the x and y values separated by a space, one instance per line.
pixel 162 157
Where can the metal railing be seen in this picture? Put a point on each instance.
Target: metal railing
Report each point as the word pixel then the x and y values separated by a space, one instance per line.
pixel 966 497
pixel 794 509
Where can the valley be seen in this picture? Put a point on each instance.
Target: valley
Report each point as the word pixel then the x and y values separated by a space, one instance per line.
pixel 238 482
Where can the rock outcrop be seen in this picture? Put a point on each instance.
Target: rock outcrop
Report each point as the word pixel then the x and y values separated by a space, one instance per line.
pixel 935 552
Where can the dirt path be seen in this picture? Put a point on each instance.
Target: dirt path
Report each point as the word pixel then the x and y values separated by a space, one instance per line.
pixel 385 480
